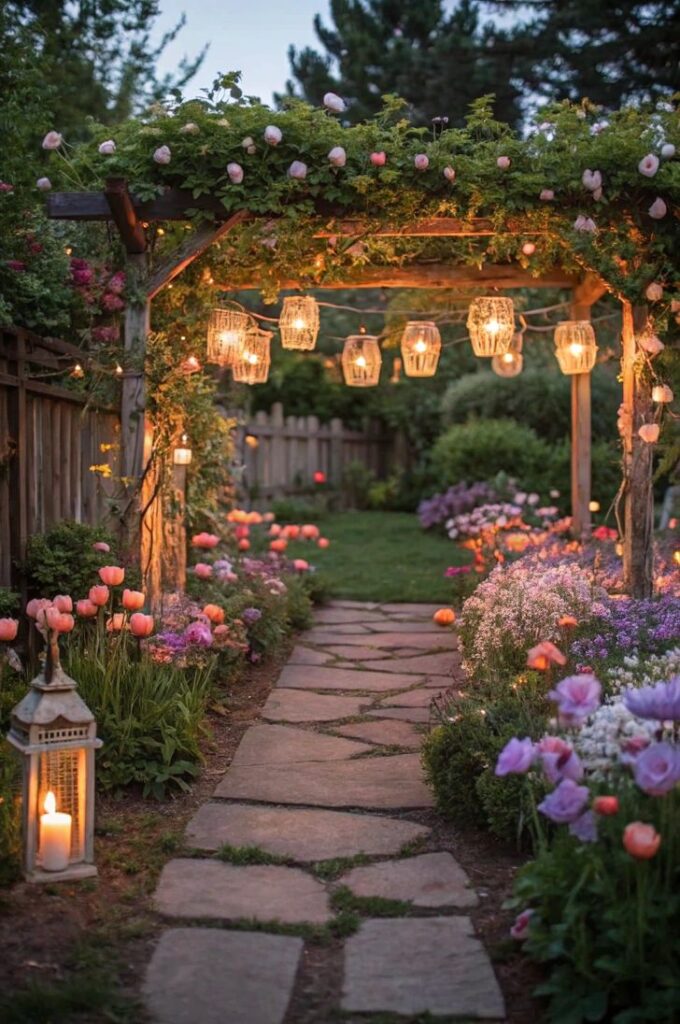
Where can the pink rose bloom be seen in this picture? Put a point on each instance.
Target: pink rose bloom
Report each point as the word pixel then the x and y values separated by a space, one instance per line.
pixel 421 161
pixel 529 248
pixel 297 170
pixel 52 140
pixel 503 162
pixel 300 565
pixel 112 303
pixel 378 159
pixel 162 155
pixel 107 148
pixel 520 928
pixel 203 571
pixel 106 334
pixel 651 344
pixel 649 165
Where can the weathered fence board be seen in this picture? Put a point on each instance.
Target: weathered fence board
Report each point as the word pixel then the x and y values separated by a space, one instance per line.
pixel 49 440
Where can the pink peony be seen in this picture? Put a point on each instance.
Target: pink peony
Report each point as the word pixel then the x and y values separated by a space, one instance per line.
pixel 592 180
pixel 337 156
pixel 658 209
pixel 421 161
pixel 297 170
pixel 547 195
pixel 112 303
pixel 43 184
pixel 162 155
pixel 116 283
pixel 503 162
pixel 649 165
pixel 52 140
pixel 272 135
pixel 198 633
pixel 334 103
pixel 235 173
pixel 63 603
pixel 379 158
pixel 107 148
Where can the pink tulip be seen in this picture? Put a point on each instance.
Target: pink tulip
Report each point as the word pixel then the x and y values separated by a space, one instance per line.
pixel 503 162
pixel 86 609
pixel 334 103
pixel 52 140
pixel 641 841
pixel 300 565
pixel 141 625
pixel 101 545
pixel 36 606
pixel 205 540
pixel 8 630
pixel 99 595
pixel 112 575
pixel 133 600
pixel 449 173
pixel 649 432
pixel 116 623
pixel 421 161
pixel 337 156
pixel 203 571
pixel 378 159
pixel 63 602
pixel 52 618
pixel 241 532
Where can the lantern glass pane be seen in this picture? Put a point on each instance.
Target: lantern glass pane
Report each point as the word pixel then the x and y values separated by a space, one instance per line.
pixel 252 366
pixel 361 361
pixel 420 348
pixel 227 330
pixel 575 346
pixel 59 772
pixel 491 323
pixel 299 322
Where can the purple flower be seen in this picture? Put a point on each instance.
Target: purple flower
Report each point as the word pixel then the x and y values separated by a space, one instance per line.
pixel 251 615
pixel 565 803
pixel 657 768
pixel 661 702
pixel 457 570
pixel 584 827
pixel 576 697
pixel 558 766
pixel 516 757
pixel 198 633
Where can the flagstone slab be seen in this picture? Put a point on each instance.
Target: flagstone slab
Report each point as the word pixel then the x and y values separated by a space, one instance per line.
pixel 213 976
pixel 428 880
pixel 286 705
pixel 281 744
pixel 317 634
pixel 373 782
pixel 308 656
pixel 390 625
pixel 411 966
pixel 342 602
pixel 422 641
pixel 193 888
pixel 385 732
pixel 409 608
pixel 343 615
pixel 358 653
pixel 419 698
pixel 300 833
pixel 421 715
pixel 303 677
pixel 425 664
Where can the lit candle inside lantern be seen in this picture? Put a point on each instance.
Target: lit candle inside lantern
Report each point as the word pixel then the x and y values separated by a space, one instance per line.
pixel 361 361
pixel 55 836
pixel 575 348
pixel 493 326
pixel 251 357
pixel 508 357
pixel 229 337
pixel 420 346
pixel 298 324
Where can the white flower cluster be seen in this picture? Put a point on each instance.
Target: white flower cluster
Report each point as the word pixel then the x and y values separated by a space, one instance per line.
pixel 637 671
pixel 518 606
pixel 484 517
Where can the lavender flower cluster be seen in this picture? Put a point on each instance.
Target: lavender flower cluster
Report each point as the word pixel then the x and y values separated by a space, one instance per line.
pixel 458 499
pixel 628 627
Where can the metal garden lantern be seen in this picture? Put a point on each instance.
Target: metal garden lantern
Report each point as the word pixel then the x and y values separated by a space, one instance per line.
pixel 299 322
pixel 420 348
pixel 491 323
pixel 510 363
pixel 55 733
pixel 252 366
pixel 575 346
pixel 182 455
pixel 227 330
pixel 361 361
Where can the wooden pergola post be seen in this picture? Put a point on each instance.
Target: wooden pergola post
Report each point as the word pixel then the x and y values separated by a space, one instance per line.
pixel 638 519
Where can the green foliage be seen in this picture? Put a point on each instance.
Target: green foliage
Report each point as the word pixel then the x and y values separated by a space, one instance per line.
pixel 300 510
pixel 63 560
pixel 605 464
pixel 481 449
pixel 357 481
pixel 9 602
pixel 298 602
pixel 12 689
pixel 248 855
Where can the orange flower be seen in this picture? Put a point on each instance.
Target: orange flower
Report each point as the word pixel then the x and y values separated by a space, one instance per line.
pixel 214 613
pixel 133 600
pixel 244 544
pixel 112 575
pixel 116 622
pixel 641 841
pixel 99 595
pixel 279 545
pixel 606 805
pixel 544 655
pixel 141 625
pixel 323 542
pixel 86 608
pixel 567 622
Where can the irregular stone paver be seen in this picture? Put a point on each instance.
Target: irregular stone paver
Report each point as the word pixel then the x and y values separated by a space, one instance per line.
pixel 409 699
pixel 421 715
pixel 428 880
pixel 229 892
pixel 374 782
pixel 437 664
pixel 389 626
pixel 298 706
pixel 316 634
pixel 412 965
pixel 346 603
pixel 427 641
pixel 280 744
pixel 335 616
pixel 414 610
pixel 358 653
pixel 305 677
pixel 214 976
pixel 307 656
pixel 304 835
pixel 386 732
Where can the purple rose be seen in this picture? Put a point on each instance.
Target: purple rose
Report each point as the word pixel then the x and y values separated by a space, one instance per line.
pixel 516 757
pixel 565 803
pixel 660 702
pixel 251 615
pixel 576 697
pixel 657 768
pixel 198 633
pixel 584 827
pixel 565 765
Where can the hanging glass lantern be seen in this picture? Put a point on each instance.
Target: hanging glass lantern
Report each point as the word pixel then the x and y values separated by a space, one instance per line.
pixel 299 322
pixel 491 323
pixel 182 455
pixel 361 361
pixel 252 366
pixel 510 363
pixel 55 733
pixel 575 346
pixel 227 330
pixel 420 348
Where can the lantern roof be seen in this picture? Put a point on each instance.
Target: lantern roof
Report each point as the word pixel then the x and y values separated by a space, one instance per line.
pixel 46 704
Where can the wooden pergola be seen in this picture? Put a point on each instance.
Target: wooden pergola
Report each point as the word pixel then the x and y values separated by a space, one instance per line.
pixel 145 528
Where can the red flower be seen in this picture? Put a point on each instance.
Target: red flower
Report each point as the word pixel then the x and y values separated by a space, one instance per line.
pixel 17 265
pixel 319 477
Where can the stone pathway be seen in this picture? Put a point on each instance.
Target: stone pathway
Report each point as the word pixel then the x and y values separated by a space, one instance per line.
pixel 311 866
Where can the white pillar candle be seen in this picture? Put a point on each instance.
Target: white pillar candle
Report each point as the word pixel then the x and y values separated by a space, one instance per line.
pixel 55 837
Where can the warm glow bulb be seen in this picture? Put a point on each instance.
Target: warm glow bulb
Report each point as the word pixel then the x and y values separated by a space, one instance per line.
pixel 252 358
pixel 420 346
pixel 492 326
pixel 361 361
pixel 50 804
pixel 676 557
pixel 298 324
pixel 576 348
pixel 229 337
pixel 508 357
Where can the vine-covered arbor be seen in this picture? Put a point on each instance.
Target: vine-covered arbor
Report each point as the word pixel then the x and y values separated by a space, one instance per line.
pixel 294 199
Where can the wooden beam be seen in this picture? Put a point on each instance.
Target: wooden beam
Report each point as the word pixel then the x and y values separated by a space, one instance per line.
pixel 124 215
pixel 426 275
pixel 581 434
pixel 192 247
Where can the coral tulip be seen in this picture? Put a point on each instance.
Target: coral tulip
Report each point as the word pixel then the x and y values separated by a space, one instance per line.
pixel 133 600
pixel 300 565
pixel 63 602
pixel 203 571
pixel 112 575
pixel 86 609
pixel 8 630
pixel 116 622
pixel 319 477
pixel 37 605
pixel 323 542
pixel 274 530
pixel 544 655
pixel 205 540
pixel 641 841
pixel 241 531
pixel 279 545
pixel 244 544
pixel 444 616
pixel 291 532
pixel 214 613
pixel 309 531
pixel 141 625
pixel 101 545
pixel 99 595
pixel 606 805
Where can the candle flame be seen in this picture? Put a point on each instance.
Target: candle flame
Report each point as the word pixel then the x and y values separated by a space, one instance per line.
pixel 50 804
pixel 298 324
pixel 420 346
pixel 361 361
pixel 492 326
pixel 508 357
pixel 576 348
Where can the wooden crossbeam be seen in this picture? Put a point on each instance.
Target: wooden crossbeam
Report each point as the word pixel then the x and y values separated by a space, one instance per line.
pixel 124 215
pixel 430 275
pixel 189 250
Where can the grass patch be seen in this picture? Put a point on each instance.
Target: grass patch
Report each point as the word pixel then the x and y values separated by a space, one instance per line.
pixel 413 846
pixel 329 870
pixel 383 556
pixel 249 855
pixel 344 901
pixel 42 1003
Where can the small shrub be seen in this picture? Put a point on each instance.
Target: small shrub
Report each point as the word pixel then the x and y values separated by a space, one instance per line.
pixel 63 560
pixel 357 480
pixel 481 449
pixel 298 602
pixel 9 602
pixel 300 510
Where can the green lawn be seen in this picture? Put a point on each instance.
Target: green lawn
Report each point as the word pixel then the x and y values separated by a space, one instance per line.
pixel 382 556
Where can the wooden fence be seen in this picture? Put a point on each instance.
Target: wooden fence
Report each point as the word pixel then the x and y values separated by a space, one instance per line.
pixel 49 440
pixel 280 454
